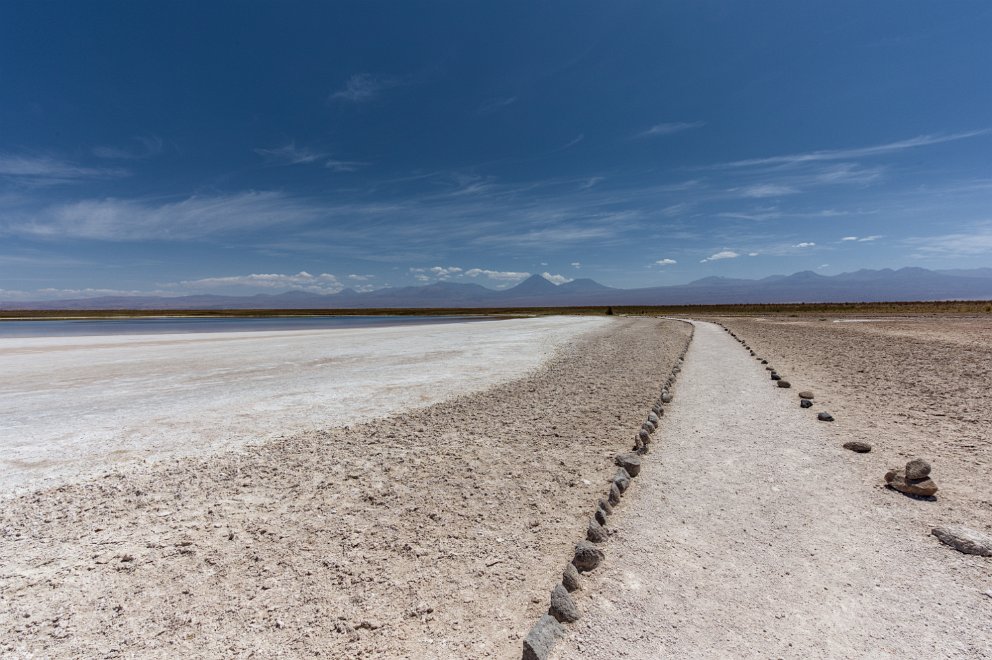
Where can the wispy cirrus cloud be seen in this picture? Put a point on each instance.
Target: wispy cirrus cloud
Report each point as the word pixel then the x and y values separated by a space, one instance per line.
pixel 363 87
pixel 761 190
pixel 976 240
pixel 290 154
pixel 858 152
pixel 665 262
pixel 862 239
pixel 498 275
pixel 670 128
pixel 494 104
pixel 49 170
pixel 195 217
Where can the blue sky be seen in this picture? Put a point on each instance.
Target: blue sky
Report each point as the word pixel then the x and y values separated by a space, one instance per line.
pixel 247 147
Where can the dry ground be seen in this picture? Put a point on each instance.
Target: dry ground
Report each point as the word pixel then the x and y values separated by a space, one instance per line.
pixel 437 533
pixel 912 387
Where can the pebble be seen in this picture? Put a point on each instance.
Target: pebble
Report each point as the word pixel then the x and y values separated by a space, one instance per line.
pixel 858 446
pixel 784 384
pixel 806 394
pixel 630 462
pixel 805 403
pixel 917 469
pixel 825 417
pixel 570 578
pixel 587 556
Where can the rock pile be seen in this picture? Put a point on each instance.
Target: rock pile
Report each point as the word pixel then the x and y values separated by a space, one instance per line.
pixel 914 479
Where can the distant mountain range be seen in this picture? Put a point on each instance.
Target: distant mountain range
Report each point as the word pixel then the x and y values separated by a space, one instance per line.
pixel 905 284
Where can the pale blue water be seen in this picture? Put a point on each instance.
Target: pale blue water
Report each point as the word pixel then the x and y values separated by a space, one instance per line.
pixel 88 327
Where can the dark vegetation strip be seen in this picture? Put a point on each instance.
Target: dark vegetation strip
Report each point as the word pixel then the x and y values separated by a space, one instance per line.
pixel 957 307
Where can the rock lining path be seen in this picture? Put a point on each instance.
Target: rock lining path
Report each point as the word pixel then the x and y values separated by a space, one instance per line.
pixel 748 534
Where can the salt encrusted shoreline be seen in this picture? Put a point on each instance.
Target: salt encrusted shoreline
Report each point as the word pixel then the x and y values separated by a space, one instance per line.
pixel 434 533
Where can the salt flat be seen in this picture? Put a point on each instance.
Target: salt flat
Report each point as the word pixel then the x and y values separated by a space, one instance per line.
pixel 77 405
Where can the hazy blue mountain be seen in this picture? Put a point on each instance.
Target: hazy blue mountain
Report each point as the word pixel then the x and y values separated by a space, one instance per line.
pixel 904 284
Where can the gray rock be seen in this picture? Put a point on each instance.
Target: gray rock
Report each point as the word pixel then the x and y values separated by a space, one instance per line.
pixel 775 376
pixel 649 427
pixel 605 506
pixel 656 409
pixel 858 446
pixel 917 469
pixel 805 403
pixel 644 436
pixel 965 540
pixel 896 479
pixel 825 417
pixel 621 480
pixel 570 578
pixel 542 637
pixel 666 397
pixel 806 394
pixel 629 462
pixel 596 532
pixel 764 362
pixel 784 384
pixel 600 518
pixel 587 556
pixel 653 418
pixel 615 494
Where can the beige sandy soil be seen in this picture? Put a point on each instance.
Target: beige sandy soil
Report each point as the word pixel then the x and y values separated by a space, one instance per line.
pixel 750 533
pixel 912 387
pixel 432 534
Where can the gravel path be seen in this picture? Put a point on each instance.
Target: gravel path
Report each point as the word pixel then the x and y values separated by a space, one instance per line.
pixel 748 534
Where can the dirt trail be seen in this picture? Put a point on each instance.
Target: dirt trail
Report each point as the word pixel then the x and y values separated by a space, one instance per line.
pixel 749 534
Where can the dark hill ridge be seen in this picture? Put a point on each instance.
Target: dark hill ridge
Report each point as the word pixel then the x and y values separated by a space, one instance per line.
pixel 904 284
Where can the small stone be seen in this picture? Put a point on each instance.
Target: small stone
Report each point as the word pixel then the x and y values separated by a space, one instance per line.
pixel 562 606
pixel 644 436
pixel 764 362
pixel 570 578
pixel 600 517
pixel 629 462
pixel 596 533
pixel 825 417
pixel 615 494
pixel 653 418
pixel 917 469
pixel 666 397
pixel 805 403
pixel 622 480
pixel 784 384
pixel 775 376
pixel 605 506
pixel 542 637
pixel 649 427
pixel 858 446
pixel 587 556
pixel 965 540
pixel 806 394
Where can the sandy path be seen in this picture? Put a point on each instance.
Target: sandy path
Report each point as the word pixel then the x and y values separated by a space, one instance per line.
pixel 749 534
pixel 77 405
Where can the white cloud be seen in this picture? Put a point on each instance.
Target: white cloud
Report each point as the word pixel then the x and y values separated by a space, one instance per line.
pixel 765 190
pixel 849 238
pixel 290 154
pixel 752 254
pixel 363 87
pixel 822 266
pixel 978 241
pixel 724 254
pixel 860 152
pixel 323 283
pixel 443 273
pixel 360 278
pixel 666 262
pixel 576 264
pixel 501 275
pixel 668 128
pixel 556 279
pixel 862 239
pixel 192 218
pixel 42 170
pixel 804 245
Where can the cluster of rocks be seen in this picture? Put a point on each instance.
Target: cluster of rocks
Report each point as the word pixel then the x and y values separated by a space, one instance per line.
pixel 914 479
pixel 588 553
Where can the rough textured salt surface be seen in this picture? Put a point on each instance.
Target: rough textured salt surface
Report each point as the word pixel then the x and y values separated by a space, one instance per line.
pixel 72 405
pixel 436 533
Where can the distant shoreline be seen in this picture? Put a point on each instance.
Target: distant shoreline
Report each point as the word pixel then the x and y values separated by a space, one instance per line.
pixel 915 308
